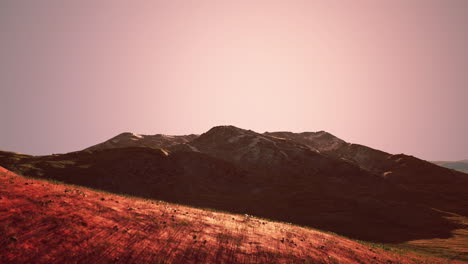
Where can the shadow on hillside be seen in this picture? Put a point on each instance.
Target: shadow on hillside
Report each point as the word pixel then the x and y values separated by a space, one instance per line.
pixel 380 225
pixel 197 180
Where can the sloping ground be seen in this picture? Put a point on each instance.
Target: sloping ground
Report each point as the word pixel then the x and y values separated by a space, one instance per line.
pixel 432 185
pixel 327 183
pixel 307 190
pixel 42 222
pixel 398 168
pixel 454 247
pixel 461 165
pixel 185 177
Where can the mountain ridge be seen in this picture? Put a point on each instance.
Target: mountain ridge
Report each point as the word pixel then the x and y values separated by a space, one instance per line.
pixel 461 165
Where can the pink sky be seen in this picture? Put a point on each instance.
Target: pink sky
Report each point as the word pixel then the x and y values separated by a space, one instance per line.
pixel 388 74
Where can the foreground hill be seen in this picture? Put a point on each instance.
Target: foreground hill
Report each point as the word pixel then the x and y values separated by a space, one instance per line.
pixel 41 222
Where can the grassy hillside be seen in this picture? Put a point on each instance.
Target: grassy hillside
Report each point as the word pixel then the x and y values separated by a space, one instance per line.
pixel 44 222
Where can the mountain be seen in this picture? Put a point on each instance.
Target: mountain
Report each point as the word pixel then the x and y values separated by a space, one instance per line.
pixel 397 168
pixel 44 222
pixel 461 165
pixel 128 139
pixel 313 179
pixel 144 172
pixel 431 184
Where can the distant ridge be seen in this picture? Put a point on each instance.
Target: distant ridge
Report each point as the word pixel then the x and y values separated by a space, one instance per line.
pixel 461 165
pixel 128 139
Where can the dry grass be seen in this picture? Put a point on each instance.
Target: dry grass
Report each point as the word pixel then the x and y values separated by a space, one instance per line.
pixel 455 247
pixel 42 222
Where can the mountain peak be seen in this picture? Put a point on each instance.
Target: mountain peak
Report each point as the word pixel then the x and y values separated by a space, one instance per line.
pixel 124 134
pixel 129 135
pixel 320 140
pixel 225 128
pixel 223 132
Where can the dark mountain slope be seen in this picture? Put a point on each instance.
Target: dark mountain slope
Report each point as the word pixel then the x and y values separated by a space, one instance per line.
pixel 430 184
pixel 192 178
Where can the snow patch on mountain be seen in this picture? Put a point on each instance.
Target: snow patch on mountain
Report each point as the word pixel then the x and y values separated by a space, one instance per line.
pixel 137 135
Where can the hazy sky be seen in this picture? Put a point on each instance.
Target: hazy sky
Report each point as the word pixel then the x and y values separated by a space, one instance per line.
pixel 392 75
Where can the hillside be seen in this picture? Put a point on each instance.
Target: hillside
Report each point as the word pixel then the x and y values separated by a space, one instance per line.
pixel 432 185
pixel 187 177
pixel 43 222
pixel 334 196
pixel 461 165
pixel 312 179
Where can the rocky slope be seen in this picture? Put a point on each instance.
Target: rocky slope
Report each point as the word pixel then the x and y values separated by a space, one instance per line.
pixel 128 139
pixel 432 184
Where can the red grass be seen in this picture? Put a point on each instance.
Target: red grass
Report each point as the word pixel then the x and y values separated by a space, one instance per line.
pixel 42 222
